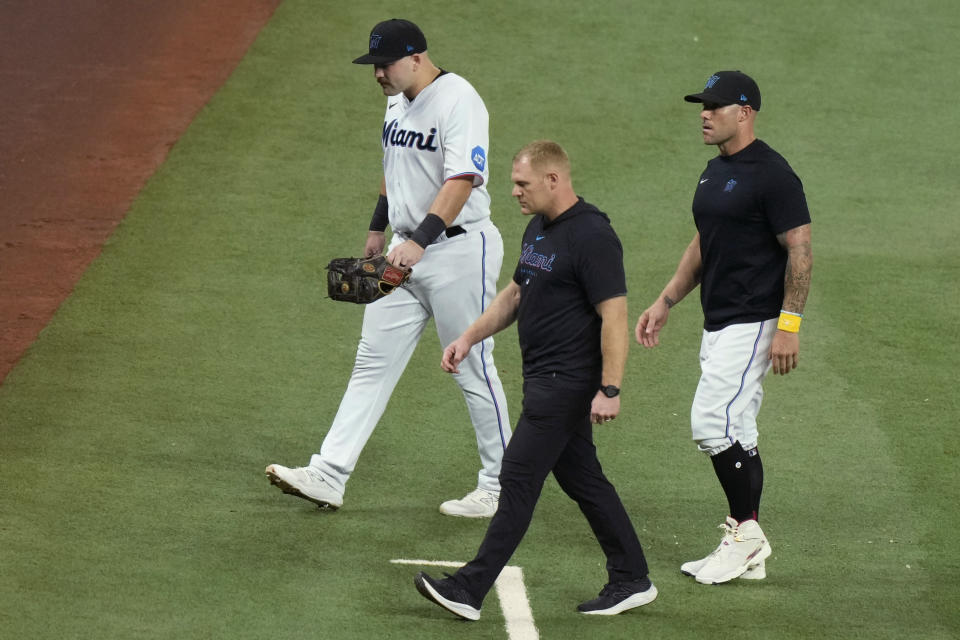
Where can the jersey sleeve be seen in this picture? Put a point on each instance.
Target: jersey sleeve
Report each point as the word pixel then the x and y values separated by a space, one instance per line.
pixel 784 202
pixel 600 263
pixel 466 138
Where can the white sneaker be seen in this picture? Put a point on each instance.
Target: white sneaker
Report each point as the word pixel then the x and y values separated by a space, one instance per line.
pixel 748 546
pixel 479 503
pixel 307 483
pixel 691 568
pixel 754 571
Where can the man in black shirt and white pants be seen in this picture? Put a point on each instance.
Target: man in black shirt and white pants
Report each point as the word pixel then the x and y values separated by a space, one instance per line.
pixel 568 296
pixel 751 257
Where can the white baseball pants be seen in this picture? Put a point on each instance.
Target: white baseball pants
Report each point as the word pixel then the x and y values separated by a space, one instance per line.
pixel 454 282
pixel 733 363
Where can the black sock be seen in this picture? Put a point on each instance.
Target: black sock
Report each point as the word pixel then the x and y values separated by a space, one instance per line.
pixel 755 471
pixel 732 469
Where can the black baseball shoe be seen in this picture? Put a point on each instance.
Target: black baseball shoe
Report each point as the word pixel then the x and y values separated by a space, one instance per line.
pixel 449 595
pixel 617 597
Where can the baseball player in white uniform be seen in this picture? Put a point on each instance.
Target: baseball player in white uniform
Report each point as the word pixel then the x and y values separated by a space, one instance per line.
pixel 433 195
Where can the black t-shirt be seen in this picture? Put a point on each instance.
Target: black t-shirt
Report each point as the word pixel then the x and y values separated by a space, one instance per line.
pixel 566 267
pixel 741 204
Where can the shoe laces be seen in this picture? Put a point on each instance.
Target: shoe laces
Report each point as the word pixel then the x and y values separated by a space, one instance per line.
pixel 739 537
pixel 727 531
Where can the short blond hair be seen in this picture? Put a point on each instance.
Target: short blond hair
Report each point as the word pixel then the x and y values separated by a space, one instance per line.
pixel 543 154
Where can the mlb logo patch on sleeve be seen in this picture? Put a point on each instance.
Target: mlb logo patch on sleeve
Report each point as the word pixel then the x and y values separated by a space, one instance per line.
pixel 479 157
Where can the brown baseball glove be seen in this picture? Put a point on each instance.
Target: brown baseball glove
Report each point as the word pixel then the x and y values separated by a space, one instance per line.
pixel 363 280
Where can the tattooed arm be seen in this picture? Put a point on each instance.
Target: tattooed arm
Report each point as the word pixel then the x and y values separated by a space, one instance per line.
pixel 786 346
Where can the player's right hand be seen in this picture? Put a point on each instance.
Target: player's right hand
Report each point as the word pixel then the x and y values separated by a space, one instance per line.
pixel 376 241
pixel 454 354
pixel 405 255
pixel 651 321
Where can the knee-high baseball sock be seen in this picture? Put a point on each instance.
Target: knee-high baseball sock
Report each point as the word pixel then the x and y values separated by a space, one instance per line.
pixel 731 469
pixel 755 471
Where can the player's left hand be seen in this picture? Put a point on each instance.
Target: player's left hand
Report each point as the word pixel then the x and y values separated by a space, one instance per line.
pixel 604 409
pixel 405 255
pixel 784 351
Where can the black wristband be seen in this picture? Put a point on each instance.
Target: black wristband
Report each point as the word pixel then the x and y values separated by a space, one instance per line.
pixel 380 218
pixel 428 231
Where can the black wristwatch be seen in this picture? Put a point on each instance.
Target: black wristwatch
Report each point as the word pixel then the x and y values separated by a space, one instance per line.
pixel 610 391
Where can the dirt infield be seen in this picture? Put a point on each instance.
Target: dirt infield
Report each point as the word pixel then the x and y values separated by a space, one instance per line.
pixel 96 92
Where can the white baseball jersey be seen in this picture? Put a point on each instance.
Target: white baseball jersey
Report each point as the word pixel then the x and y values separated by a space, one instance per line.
pixel 442 134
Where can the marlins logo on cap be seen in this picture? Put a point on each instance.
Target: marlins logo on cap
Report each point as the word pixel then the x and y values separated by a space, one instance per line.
pixel 728 87
pixel 391 40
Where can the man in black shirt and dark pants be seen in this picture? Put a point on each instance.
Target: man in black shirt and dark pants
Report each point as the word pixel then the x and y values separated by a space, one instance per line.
pixel 568 296
pixel 751 257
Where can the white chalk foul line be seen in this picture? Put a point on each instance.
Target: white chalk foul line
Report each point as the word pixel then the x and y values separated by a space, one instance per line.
pixel 429 563
pixel 515 605
pixel 513 598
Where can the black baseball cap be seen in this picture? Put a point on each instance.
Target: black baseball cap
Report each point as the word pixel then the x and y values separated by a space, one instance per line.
pixel 393 39
pixel 729 87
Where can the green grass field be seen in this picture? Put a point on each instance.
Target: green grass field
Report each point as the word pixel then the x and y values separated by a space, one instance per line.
pixel 200 347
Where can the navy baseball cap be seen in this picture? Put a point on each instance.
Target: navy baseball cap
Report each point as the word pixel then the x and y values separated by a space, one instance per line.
pixel 729 87
pixel 393 39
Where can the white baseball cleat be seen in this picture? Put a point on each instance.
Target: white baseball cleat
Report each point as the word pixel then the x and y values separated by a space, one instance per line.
pixel 307 483
pixel 479 503
pixel 755 571
pixel 748 546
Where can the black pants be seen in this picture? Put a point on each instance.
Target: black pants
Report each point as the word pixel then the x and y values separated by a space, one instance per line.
pixel 554 433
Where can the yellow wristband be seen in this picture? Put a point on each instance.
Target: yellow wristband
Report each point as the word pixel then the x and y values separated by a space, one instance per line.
pixel 789 321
